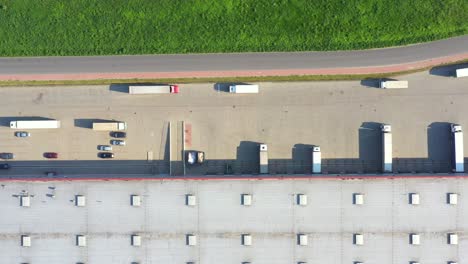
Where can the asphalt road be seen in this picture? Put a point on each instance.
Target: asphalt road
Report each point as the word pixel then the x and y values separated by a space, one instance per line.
pixel 233 62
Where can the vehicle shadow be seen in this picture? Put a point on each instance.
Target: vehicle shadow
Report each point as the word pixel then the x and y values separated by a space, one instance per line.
pixel 224 87
pixel 302 158
pixel 370 145
pixel 447 70
pixel 119 87
pixel 374 82
pixel 5 120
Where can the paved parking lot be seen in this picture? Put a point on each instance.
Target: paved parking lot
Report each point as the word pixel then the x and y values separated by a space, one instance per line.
pixel 218 219
pixel 341 117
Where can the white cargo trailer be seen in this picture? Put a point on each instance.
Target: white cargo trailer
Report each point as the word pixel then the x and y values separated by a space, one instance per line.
pixel 34 124
pixel 263 158
pixel 393 84
pixel 386 148
pixel 458 162
pixel 316 160
pixel 153 89
pixel 244 88
pixel 461 73
pixel 108 126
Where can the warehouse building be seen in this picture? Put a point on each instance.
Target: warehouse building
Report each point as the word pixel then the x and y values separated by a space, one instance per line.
pixel 235 221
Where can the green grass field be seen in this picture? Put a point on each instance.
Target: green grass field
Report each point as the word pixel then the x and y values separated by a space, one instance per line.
pixel 98 27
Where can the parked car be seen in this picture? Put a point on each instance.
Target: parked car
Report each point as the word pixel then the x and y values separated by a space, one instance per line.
pixel 106 155
pixel 51 155
pixel 194 156
pixel 104 148
pixel 7 155
pixel 117 142
pixel 22 134
pixel 118 134
pixel 4 166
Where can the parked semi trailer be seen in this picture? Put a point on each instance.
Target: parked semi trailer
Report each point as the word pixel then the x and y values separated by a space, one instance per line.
pixel 458 162
pixel 109 126
pixel 34 124
pixel 153 89
pixel 461 73
pixel 316 160
pixel 244 88
pixel 263 158
pixel 393 84
pixel 386 148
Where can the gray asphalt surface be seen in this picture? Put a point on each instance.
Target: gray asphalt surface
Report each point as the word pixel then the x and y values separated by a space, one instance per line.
pixel 237 61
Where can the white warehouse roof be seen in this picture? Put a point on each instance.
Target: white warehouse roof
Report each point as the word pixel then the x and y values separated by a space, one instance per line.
pixel 385 220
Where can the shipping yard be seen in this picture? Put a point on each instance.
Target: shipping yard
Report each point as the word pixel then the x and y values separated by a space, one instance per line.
pixel 296 172
pixel 344 119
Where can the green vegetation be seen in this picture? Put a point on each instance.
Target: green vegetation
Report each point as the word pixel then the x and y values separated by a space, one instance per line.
pixel 98 27
pixel 291 78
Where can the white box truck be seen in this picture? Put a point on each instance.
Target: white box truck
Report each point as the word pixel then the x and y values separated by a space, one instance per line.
pixel 34 124
pixel 243 88
pixel 393 84
pixel 461 73
pixel 153 89
pixel 263 158
pixel 316 160
pixel 458 162
pixel 386 148
pixel 109 126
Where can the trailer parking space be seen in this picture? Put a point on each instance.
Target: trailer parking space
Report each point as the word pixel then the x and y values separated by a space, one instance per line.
pixel 343 118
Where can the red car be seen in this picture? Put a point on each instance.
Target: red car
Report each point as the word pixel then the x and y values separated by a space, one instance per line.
pixel 51 155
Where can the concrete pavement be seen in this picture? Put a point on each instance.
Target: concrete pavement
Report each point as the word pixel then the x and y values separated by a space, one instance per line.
pixel 341 117
pixel 238 64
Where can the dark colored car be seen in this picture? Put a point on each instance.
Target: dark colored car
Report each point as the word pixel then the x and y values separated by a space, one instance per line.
pixel 7 155
pixel 4 166
pixel 51 155
pixel 106 155
pixel 117 134
pixel 22 134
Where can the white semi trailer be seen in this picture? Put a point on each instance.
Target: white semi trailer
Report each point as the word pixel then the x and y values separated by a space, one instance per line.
pixel 461 73
pixel 153 89
pixel 458 162
pixel 263 158
pixel 316 160
pixel 34 124
pixel 109 126
pixel 393 84
pixel 244 88
pixel 386 148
